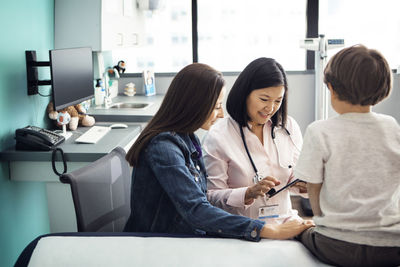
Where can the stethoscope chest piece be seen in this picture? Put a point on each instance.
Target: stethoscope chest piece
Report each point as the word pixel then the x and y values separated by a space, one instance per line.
pixel 257 177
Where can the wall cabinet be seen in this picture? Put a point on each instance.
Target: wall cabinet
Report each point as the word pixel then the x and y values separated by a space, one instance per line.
pixel 101 24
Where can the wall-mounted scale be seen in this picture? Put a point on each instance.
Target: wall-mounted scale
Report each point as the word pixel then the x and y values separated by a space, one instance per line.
pixel 320 45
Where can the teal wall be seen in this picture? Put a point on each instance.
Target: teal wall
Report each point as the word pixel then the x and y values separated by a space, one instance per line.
pixel 26 25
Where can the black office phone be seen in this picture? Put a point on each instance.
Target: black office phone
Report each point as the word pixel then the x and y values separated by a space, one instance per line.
pixel 36 138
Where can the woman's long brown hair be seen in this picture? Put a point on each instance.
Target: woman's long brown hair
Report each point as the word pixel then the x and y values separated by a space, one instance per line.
pixel 188 103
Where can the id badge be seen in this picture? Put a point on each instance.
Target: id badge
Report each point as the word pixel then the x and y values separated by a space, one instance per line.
pixel 268 211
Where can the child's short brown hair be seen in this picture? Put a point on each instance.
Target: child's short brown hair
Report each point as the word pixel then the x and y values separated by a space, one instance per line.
pixel 359 75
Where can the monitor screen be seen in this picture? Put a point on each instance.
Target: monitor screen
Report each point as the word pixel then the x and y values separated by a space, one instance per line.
pixel 71 76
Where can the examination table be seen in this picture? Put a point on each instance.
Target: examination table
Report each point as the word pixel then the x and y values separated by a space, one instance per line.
pixel 138 249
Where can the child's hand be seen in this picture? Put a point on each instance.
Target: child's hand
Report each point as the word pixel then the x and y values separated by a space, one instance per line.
pixel 302 186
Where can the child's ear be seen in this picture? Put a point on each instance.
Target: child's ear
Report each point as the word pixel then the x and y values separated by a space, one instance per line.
pixel 333 93
pixel 329 85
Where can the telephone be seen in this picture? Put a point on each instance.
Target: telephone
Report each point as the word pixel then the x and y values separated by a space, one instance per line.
pixel 36 138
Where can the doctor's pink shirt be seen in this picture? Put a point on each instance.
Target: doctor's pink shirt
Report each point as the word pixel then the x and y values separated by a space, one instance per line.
pixel 230 171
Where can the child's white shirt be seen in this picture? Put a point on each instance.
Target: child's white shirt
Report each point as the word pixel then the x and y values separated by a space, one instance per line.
pixel 356 157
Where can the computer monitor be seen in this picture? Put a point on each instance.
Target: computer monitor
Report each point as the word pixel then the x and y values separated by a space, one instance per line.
pixel 71 76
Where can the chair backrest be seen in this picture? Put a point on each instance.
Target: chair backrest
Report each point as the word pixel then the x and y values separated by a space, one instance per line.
pixel 101 193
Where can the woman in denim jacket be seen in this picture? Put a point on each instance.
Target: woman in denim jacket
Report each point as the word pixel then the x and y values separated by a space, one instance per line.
pixel 169 178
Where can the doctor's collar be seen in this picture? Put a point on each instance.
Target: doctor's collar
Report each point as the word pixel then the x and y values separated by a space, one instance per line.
pixel 268 123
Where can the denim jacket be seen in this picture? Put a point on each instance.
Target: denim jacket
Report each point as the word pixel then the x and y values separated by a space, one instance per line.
pixel 169 193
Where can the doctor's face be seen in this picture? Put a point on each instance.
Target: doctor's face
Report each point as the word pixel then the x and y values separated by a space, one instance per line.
pixel 218 112
pixel 263 103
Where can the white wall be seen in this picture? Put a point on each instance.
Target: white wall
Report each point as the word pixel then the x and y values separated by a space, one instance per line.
pixel 389 106
pixel 301 95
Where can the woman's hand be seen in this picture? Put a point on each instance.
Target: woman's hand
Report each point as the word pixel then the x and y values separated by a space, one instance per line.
pixel 259 189
pixel 286 230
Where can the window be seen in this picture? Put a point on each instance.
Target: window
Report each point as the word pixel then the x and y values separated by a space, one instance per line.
pixel 232 33
pixel 167 44
pixel 374 24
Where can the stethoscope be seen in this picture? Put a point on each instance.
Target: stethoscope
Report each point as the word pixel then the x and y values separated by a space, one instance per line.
pixel 257 177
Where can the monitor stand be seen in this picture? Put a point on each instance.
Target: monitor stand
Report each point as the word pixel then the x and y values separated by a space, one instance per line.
pixel 65 133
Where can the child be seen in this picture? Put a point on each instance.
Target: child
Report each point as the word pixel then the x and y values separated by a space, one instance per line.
pixel 352 165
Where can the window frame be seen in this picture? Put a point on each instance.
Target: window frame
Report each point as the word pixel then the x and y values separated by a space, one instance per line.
pixel 312 14
pixel 312 31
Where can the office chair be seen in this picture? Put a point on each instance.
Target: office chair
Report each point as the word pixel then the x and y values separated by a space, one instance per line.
pixel 101 193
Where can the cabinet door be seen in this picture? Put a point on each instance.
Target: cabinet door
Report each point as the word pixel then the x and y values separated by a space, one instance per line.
pixel 111 23
pixel 100 24
pixel 121 24
pixel 133 22
pixel 77 24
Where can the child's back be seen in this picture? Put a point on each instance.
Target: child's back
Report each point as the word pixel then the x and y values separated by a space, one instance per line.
pixel 352 165
pixel 360 155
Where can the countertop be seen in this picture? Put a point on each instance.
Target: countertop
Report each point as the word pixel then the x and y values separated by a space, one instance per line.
pixel 134 118
pixel 127 114
pixel 75 152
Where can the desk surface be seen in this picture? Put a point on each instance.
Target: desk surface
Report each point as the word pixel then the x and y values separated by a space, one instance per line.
pixel 36 166
pixel 75 152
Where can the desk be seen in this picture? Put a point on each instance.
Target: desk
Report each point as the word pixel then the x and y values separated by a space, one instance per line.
pixel 35 166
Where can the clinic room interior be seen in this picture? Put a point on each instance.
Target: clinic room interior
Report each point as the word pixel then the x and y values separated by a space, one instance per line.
pixel 69 67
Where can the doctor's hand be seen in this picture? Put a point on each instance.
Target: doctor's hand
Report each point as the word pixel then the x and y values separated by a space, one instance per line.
pixel 259 189
pixel 286 230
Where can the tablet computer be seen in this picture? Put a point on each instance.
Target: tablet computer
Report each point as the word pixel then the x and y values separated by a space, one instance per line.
pixel 273 192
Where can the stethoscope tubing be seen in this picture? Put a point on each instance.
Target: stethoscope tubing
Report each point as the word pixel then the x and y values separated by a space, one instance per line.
pixel 257 176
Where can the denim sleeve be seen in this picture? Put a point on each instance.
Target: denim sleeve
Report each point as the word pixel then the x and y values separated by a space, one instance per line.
pixel 165 155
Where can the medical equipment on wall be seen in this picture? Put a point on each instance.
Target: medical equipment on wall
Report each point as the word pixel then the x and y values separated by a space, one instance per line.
pixel 257 177
pixel 320 45
pixel 149 4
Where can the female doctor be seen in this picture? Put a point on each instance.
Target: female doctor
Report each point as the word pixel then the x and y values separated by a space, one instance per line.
pixel 255 148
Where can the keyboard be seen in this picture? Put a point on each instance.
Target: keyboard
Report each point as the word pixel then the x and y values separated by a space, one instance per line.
pixel 93 135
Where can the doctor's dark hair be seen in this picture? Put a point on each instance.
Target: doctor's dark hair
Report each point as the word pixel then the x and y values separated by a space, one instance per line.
pixel 188 103
pixel 359 76
pixel 260 73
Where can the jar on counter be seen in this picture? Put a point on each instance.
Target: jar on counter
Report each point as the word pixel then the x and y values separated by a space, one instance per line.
pixel 130 89
pixel 99 92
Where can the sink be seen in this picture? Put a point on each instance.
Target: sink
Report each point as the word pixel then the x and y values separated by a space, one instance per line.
pixel 130 105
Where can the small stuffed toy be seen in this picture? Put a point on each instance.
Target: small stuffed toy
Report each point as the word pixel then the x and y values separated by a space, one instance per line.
pixel 120 67
pixel 77 113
